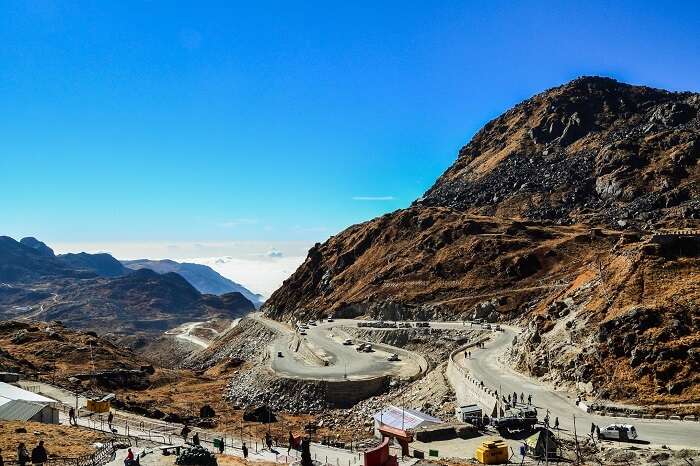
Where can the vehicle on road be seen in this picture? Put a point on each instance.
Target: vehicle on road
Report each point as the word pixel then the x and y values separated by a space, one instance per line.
pixel 393 357
pixel 279 354
pixel 330 319
pixel 498 328
pixel 302 332
pixel 516 419
pixel 487 326
pixel 347 342
pixel 422 324
pixel 311 322
pixel 621 432
pixel 368 348
pixel 405 325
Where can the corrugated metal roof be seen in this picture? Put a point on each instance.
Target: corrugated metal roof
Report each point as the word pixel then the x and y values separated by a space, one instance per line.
pixel 404 418
pixel 19 410
pixel 10 392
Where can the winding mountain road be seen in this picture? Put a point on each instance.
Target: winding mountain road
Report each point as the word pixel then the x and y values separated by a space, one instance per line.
pixel 484 365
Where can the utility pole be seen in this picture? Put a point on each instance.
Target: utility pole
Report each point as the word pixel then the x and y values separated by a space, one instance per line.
pixel 578 450
pixel 546 438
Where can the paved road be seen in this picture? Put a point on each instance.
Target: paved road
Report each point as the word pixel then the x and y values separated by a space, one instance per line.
pixel 484 366
pixel 306 356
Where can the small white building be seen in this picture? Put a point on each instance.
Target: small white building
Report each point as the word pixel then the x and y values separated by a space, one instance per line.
pixel 17 404
pixel 402 419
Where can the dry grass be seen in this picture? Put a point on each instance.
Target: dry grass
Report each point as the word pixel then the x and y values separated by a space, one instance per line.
pixel 59 440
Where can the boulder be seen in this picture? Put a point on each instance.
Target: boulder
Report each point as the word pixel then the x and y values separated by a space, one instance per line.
pixel 260 413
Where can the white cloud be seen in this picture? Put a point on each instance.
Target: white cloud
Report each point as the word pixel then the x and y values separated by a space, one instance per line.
pixel 274 253
pixel 238 222
pixel 373 198
pixel 262 275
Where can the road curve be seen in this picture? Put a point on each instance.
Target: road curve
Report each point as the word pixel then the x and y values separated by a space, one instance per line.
pixel 484 365
pixel 305 356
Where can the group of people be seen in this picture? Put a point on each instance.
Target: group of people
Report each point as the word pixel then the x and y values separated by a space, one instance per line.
pixel 511 400
pixel 39 455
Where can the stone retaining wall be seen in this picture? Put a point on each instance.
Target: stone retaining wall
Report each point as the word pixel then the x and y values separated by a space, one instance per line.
pixel 466 385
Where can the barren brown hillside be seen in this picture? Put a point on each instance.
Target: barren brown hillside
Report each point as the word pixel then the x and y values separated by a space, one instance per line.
pixel 559 215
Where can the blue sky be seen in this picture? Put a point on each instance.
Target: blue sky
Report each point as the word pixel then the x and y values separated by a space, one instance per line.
pixel 281 121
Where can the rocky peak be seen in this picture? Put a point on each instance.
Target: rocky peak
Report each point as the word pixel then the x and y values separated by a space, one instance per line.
pixel 592 150
pixel 37 245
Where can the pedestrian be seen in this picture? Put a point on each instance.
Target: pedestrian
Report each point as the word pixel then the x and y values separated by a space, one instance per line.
pixel 522 398
pixel 195 438
pixel 222 445
pixel 529 399
pixel 39 454
pixel 597 431
pixel 71 417
pixel 556 423
pixel 185 432
pixel 546 420
pixel 245 451
pixel 22 454
pixel 515 398
pixel 129 460
pixel 268 441
pixel 592 429
pixel 110 418
pixel 291 442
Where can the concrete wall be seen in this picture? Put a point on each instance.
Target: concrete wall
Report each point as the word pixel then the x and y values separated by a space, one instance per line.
pixel 468 389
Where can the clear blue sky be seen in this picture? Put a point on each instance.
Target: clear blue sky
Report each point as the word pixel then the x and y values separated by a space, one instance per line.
pixel 150 120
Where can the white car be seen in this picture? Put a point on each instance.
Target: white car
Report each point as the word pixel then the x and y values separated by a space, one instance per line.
pixel 330 319
pixel 347 342
pixel 312 322
pixel 618 432
pixel 393 357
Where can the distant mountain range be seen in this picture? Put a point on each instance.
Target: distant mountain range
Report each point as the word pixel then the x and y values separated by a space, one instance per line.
pixel 204 278
pixel 95 291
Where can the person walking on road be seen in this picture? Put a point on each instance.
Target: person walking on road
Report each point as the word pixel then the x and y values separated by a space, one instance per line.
pixel 39 454
pixel 22 454
pixel 522 398
pixel 245 451
pixel 185 432
pixel 71 417
pixel 110 418
pixel 556 423
pixel 592 429
pixel 529 399
pixel 195 438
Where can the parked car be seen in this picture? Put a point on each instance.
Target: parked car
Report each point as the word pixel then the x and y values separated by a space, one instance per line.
pixel 347 342
pixel 618 432
pixel 312 322
pixel 279 354
pixel 393 357
pixel 330 319
pixel 368 348
pixel 302 332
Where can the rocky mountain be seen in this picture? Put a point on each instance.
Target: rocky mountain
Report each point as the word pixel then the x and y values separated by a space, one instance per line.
pixel 96 292
pixel 591 151
pixel 204 278
pixel 101 264
pixel 573 215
